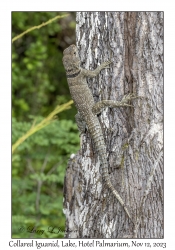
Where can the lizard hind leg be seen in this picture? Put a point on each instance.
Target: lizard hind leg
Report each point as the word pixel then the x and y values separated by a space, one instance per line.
pixel 99 106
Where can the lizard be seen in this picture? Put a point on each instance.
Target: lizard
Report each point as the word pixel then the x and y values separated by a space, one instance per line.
pixel 88 109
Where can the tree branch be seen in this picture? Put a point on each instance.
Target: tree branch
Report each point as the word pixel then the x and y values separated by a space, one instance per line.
pixel 37 27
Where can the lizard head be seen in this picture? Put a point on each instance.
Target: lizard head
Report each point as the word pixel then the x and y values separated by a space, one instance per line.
pixel 71 60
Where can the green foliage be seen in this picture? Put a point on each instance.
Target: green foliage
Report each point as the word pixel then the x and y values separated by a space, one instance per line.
pixel 38 76
pixel 37 27
pixel 38 174
pixel 40 125
pixel 39 162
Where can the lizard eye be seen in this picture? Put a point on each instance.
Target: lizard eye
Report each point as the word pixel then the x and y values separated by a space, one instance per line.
pixel 74 53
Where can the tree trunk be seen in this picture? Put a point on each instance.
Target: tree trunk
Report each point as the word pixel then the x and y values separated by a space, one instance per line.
pixel 133 41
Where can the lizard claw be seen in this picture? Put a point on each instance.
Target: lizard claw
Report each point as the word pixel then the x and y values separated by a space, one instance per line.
pixel 130 96
pixel 106 63
pixel 125 104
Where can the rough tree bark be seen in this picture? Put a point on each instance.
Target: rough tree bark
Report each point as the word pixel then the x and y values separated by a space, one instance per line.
pixel 134 136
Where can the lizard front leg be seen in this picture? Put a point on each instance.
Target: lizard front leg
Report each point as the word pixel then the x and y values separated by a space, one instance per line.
pixel 93 73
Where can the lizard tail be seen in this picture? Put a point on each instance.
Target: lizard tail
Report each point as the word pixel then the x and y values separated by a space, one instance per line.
pixel 96 132
pixel 114 191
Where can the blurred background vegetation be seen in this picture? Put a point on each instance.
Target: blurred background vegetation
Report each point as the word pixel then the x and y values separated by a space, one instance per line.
pixel 38 85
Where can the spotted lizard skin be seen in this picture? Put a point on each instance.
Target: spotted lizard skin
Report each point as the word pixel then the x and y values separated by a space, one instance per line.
pixel 88 109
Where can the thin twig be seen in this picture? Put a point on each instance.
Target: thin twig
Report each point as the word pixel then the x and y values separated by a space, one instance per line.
pixel 39 184
pixel 29 165
pixel 37 27
pixel 53 168
pixel 44 164
pixel 46 121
